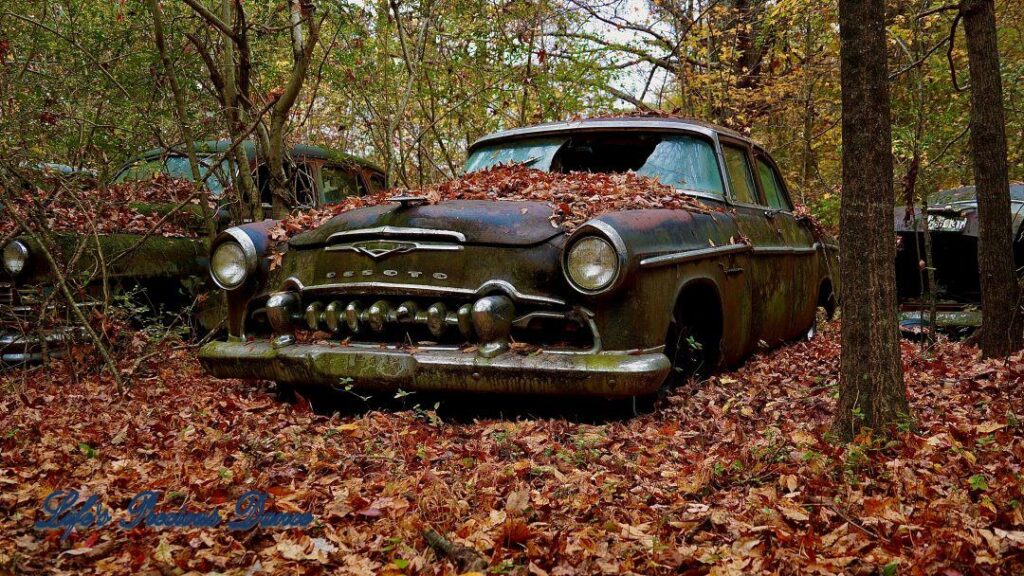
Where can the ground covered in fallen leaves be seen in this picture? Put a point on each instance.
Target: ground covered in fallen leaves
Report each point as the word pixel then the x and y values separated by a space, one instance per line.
pixel 732 476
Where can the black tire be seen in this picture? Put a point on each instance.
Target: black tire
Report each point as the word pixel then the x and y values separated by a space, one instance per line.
pixel 692 346
pixel 689 348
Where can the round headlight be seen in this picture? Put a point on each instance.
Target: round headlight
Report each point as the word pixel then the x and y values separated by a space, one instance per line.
pixel 592 263
pixel 15 256
pixel 228 266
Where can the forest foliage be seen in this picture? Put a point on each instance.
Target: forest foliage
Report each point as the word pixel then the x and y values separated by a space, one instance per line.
pixel 411 84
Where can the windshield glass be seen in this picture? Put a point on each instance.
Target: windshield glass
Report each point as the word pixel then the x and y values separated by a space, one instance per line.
pixel 678 160
pixel 534 153
pixel 178 167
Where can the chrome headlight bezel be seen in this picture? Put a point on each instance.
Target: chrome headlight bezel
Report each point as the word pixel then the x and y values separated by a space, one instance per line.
pixel 15 257
pixel 603 232
pixel 248 261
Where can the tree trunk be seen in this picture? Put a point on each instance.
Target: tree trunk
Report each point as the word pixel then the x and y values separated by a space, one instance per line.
pixel 1001 331
pixel 871 390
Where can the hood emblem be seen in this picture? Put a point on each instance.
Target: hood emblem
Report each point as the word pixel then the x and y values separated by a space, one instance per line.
pixel 379 249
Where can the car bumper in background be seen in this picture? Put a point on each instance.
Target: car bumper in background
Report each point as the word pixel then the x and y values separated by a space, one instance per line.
pixel 18 348
pixel 914 321
pixel 606 374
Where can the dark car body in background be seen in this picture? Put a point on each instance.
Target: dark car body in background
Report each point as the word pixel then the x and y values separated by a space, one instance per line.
pixel 429 297
pixel 162 273
pixel 953 227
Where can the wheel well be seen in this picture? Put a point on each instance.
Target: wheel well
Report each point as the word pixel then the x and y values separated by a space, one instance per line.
pixel 827 298
pixel 699 307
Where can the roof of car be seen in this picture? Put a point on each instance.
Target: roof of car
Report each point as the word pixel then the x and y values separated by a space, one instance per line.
pixel 611 123
pixel 297 150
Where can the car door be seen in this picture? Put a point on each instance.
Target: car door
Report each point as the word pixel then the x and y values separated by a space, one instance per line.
pixel 771 273
pixel 797 237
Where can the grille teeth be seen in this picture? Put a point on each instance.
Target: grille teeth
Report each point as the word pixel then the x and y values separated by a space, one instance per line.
pixel 313 312
pixel 437 319
pixel 352 313
pixel 334 316
pixel 379 315
pixel 407 313
pixel 465 321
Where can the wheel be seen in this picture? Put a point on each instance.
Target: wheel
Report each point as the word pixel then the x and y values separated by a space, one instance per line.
pixel 689 349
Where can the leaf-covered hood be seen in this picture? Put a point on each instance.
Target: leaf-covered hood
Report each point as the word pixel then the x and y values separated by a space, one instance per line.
pixel 480 221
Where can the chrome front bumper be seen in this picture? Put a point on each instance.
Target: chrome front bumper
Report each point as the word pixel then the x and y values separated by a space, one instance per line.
pixel 371 368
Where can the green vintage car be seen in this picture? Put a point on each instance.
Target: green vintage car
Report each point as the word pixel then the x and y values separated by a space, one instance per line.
pixel 159 275
pixel 488 296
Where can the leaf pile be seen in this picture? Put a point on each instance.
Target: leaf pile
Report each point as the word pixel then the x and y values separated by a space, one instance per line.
pixel 730 476
pixel 128 207
pixel 574 198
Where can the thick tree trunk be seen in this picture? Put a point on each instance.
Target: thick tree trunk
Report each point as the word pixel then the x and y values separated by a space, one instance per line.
pixel 1001 331
pixel 871 392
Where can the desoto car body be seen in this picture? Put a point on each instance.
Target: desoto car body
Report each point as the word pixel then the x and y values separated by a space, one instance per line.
pixel 166 273
pixel 952 217
pixel 420 296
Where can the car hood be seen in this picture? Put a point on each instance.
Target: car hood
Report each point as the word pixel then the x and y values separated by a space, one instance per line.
pixel 480 221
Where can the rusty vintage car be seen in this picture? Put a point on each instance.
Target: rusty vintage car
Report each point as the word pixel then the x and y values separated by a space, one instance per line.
pixel 161 275
pixel 488 296
pixel 952 217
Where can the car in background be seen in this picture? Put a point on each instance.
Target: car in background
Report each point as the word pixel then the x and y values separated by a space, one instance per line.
pixel 486 295
pixel 952 218
pixel 160 276
pixel 317 176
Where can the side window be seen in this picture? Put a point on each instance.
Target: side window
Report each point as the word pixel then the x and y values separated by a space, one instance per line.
pixel 338 183
pixel 377 182
pixel 772 186
pixel 741 178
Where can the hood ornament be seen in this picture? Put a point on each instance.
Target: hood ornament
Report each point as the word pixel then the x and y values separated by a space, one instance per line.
pixel 407 200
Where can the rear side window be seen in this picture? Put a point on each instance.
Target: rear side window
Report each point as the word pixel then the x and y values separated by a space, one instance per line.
pixel 338 183
pixel 377 182
pixel 772 186
pixel 741 178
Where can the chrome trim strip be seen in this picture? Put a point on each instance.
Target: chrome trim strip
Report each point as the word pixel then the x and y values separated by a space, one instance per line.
pixel 393 231
pixel 413 246
pixel 691 255
pixel 426 289
pixel 598 124
pixel 524 320
pixel 783 250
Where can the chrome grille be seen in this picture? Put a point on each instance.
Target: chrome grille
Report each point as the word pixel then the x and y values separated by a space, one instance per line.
pixel 6 294
pixel 423 321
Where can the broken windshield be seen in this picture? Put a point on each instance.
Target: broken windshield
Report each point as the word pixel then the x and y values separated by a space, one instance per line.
pixel 179 167
pixel 679 160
